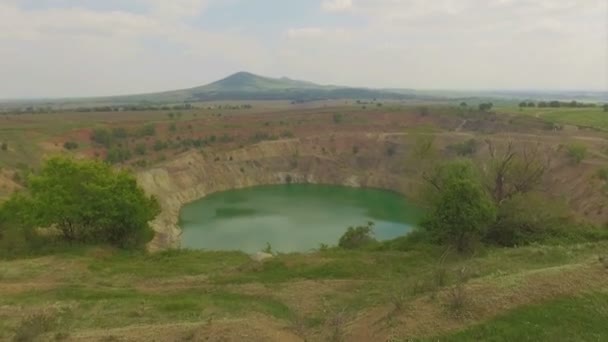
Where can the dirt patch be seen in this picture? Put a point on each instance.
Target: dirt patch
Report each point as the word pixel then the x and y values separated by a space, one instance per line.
pixel 253 329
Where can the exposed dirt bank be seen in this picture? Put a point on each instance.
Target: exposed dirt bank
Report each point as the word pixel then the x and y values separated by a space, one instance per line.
pixel 378 160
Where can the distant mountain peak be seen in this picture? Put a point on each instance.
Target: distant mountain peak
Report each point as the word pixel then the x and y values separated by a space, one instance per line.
pixel 246 81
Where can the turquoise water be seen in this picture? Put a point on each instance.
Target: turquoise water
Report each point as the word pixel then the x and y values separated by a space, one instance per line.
pixel 292 218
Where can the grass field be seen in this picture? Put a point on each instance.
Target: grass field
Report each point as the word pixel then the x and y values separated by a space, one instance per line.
pixel 97 293
pixel 577 318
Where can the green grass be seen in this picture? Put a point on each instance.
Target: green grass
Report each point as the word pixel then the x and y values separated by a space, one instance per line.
pixel 569 319
pixel 81 307
pixel 166 264
pixel 99 288
pixel 584 117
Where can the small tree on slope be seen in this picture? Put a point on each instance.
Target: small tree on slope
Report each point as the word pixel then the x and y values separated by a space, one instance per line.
pixel 461 210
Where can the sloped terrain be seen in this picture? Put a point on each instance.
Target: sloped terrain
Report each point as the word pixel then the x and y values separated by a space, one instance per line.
pixel 108 295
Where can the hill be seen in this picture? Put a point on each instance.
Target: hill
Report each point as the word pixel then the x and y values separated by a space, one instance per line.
pixel 247 86
pixel 239 86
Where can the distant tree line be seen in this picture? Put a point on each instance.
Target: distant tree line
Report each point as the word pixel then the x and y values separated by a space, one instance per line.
pixel 89 109
pixel 556 104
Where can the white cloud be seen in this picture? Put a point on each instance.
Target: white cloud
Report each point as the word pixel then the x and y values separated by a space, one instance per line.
pixel 548 44
pixel 336 5
pixel 318 33
pixel 146 45
pixel 176 8
pixel 307 32
pixel 82 52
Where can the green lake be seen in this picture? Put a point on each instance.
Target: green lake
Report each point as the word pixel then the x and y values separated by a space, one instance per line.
pixel 292 218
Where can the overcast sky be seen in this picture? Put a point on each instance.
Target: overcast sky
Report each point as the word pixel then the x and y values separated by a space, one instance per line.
pixel 56 48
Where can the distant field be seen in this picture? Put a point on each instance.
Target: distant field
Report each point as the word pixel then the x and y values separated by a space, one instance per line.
pixel 29 138
pixel 587 117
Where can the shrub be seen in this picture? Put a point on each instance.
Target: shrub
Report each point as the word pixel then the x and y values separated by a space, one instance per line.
pixel 70 145
pixel 577 152
pixel 485 107
pixel 357 237
pixel 464 149
pixel 31 327
pixel 147 130
pixel 528 218
pixel 140 149
pixel 261 136
pixel 102 137
pixel 119 133
pixel 337 118
pixel 287 134
pixel 4 146
pixel 458 299
pixel 603 174
pixel 424 147
pixel 225 139
pixel 159 145
pixel 141 163
pixel 118 155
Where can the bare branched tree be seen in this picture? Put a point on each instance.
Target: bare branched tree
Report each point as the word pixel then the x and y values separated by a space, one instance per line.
pixel 515 170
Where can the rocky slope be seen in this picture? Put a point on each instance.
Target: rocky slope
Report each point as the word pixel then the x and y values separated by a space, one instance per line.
pixel 378 160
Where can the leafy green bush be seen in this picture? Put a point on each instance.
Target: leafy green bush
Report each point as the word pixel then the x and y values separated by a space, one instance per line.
pixel 85 201
pixel 16 237
pixel 357 237
pixel 461 210
pixel 577 152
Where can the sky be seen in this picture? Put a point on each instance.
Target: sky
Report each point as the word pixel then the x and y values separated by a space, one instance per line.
pixel 69 48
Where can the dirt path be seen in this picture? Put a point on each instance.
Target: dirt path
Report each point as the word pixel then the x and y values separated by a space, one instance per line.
pixel 459 128
pixel 253 329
